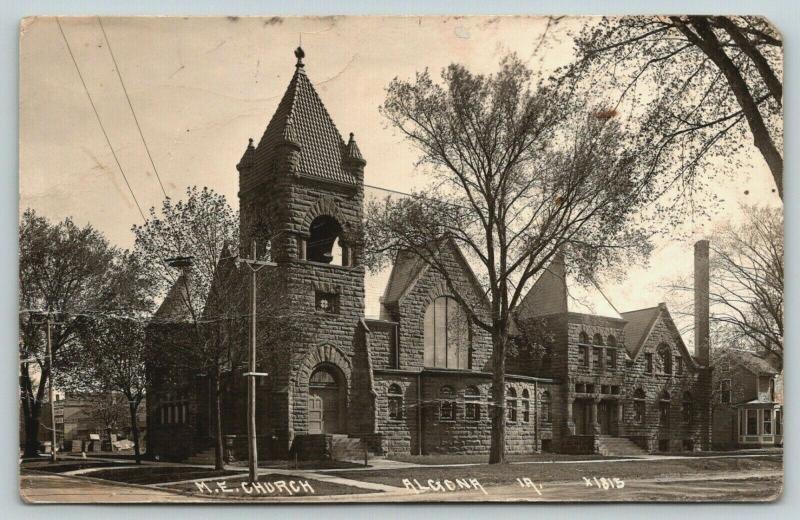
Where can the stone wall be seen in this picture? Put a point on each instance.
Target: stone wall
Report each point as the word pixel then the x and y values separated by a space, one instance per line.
pixel 694 380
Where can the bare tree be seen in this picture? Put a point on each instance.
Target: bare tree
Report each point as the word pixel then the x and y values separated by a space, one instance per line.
pixel 519 173
pixel 700 84
pixel 746 286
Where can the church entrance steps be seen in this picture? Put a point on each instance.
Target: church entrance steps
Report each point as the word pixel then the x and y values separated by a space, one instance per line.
pixel 325 446
pixel 202 457
pixel 614 446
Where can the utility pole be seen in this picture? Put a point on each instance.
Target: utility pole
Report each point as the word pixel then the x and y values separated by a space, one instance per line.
pixel 255 266
pixel 48 322
pixel 50 394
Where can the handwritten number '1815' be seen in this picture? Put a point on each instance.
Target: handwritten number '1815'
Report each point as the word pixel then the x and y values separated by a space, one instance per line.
pixel 604 483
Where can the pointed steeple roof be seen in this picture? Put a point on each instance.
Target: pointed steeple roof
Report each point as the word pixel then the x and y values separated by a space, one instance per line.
pixel 248 157
pixel 175 307
pixel 301 120
pixel 352 154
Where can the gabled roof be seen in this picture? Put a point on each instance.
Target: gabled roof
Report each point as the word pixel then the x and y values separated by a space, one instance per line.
pixel 640 323
pixel 752 362
pixel 303 120
pixel 408 268
pixel 175 306
pixel 555 291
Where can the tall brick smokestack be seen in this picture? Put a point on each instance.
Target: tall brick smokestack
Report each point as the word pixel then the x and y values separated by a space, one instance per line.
pixel 701 311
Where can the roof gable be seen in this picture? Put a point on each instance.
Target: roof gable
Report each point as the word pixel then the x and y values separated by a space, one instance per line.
pixel 301 118
pixel 555 291
pixel 409 268
pixel 641 324
pixel 752 362
pixel 637 329
pixel 175 306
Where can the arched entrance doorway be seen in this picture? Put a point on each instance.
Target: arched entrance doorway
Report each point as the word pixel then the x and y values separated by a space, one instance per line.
pixel 327 400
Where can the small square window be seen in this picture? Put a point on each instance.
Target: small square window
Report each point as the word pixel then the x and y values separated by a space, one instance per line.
pixel 327 302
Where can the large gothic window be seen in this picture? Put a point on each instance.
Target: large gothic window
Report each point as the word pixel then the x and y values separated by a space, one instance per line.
pixel 446 334
pixel 324 244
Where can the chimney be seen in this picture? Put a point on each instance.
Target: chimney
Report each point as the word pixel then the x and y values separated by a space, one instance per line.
pixel 701 318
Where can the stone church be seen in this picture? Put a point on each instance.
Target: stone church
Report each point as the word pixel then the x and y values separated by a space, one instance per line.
pixel 417 380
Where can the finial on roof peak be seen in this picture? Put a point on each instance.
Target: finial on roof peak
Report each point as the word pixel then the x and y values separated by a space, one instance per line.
pixel 299 53
pixel 250 141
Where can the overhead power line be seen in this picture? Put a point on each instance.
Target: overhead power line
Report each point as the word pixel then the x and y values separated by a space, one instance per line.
pixel 133 112
pixel 99 121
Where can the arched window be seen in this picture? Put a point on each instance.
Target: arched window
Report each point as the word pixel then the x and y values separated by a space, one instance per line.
pixel 665 358
pixel 395 396
pixel 598 339
pixel 511 405
pixel 323 378
pixel 447 404
pixel 446 334
pixel 324 246
pixel 611 341
pixel 583 337
pixel 526 406
pixel 639 406
pixel 663 408
pixel 547 409
pixel 472 404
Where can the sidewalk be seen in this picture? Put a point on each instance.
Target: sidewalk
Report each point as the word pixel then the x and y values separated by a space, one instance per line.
pixel 60 489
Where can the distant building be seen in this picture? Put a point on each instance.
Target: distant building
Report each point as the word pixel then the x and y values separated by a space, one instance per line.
pixel 418 379
pixel 79 415
pixel 748 403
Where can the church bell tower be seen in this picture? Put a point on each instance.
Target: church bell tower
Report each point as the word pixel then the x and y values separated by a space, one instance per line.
pixel 301 192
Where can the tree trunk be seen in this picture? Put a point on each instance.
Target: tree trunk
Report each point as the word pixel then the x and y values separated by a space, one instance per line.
pixel 497 451
pixel 219 462
pixel 709 44
pixel 31 410
pixel 32 435
pixel 133 407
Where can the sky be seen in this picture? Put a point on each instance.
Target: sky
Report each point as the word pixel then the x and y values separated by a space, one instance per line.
pixel 200 87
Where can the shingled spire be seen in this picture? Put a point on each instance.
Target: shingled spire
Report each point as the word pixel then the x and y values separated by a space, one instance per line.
pixel 248 157
pixel 302 122
pixel 352 155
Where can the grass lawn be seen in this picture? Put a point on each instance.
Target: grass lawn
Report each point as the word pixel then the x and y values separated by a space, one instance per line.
pixel 158 474
pixel 507 473
pixel 444 459
pixel 272 486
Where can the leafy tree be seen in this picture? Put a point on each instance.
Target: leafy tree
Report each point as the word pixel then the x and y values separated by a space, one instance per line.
pixel 115 353
pixel 206 315
pixel 700 85
pixel 63 269
pixel 520 172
